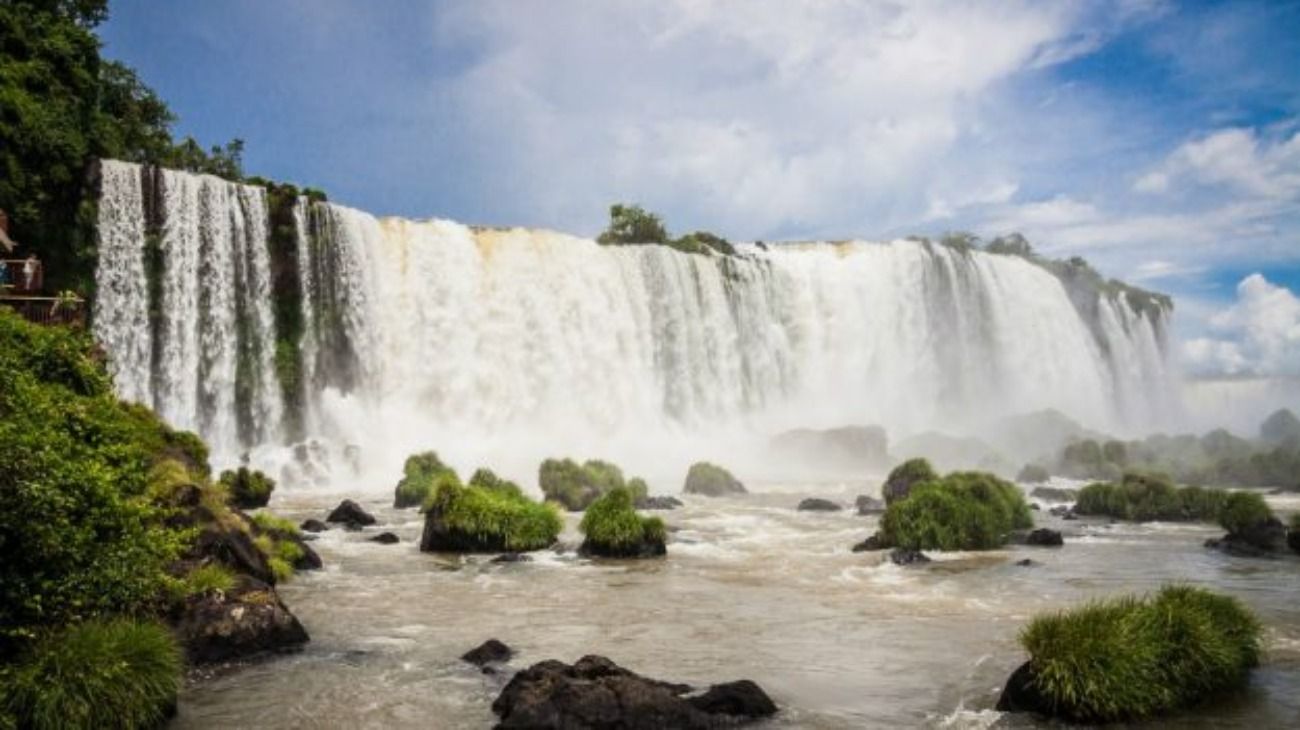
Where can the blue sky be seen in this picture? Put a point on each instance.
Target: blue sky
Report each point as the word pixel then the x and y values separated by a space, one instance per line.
pixel 1159 140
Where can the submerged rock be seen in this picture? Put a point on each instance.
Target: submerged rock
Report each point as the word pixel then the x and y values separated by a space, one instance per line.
pixel 868 505
pixel 215 626
pixel 351 515
pixel 903 556
pixel 875 542
pixel 597 693
pixel 659 503
pixel 1021 695
pixel 817 504
pixel 1041 537
pixel 489 652
pixel 1026 563
pixel 512 558
pixel 313 525
pixel 385 538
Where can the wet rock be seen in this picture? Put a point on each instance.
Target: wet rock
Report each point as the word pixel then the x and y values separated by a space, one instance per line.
pixel 660 503
pixel 1034 506
pixel 1020 694
pixel 1263 540
pixel 903 556
pixel 489 652
pixel 216 627
pixel 351 515
pixel 875 542
pixel 1041 537
pixel 1293 539
pixel 817 504
pixel 596 693
pixel 231 546
pixel 868 505
pixel 1026 563
pixel 385 538
pixel 512 558
pixel 648 547
pixel 313 525
pixel 711 480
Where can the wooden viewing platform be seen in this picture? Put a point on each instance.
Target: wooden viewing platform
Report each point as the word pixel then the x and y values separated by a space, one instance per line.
pixel 21 291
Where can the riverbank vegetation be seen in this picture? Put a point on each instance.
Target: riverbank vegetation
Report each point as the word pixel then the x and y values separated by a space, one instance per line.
pixel 1132 658
pixel 631 225
pixel 109 527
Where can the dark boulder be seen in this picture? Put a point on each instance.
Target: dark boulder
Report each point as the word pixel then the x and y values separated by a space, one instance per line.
pixel 512 558
pixel 1020 694
pixel 313 525
pixel 489 652
pixel 1041 537
pixel 217 627
pixel 385 538
pixel 1026 563
pixel 868 505
pixel 351 515
pixel 649 547
pixel 875 542
pixel 231 546
pixel 598 694
pixel 660 503
pixel 905 557
pixel 441 537
pixel 817 504
pixel 1293 539
pixel 711 480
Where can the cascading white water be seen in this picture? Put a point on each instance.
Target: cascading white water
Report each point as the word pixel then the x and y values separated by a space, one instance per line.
pixel 506 346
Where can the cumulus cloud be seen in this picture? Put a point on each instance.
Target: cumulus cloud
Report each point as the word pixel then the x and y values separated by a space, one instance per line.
pixel 1258 334
pixel 1236 158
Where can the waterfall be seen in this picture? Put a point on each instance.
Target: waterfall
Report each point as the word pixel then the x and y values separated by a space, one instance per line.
pixel 504 346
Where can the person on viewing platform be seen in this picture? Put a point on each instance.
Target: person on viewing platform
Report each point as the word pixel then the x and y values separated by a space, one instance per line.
pixel 29 271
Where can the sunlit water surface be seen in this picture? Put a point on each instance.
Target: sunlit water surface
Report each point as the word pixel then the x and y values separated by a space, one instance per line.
pixel 752 589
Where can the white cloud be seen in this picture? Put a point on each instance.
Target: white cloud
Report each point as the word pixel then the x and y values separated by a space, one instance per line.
pixel 1258 334
pixel 1236 158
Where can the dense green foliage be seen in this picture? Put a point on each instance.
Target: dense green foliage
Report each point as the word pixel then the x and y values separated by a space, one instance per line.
pixel 61 107
pixel 1146 497
pixel 78 538
pixel 576 486
pixel 496 516
pixel 1132 658
pixel 613 524
pixel 712 480
pixel 902 477
pixel 97 674
pixel 634 225
pixel 1242 511
pixel 1216 458
pixel 961 511
pixel 487 479
pixel 209 578
pixel 248 488
pixel 420 474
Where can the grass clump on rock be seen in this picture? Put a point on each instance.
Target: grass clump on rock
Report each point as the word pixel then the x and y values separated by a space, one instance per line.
pixel 962 511
pixel 105 674
pixel 1132 658
pixel 1243 511
pixel 711 480
pixel 576 486
pixel 1147 497
pixel 477 518
pixel 248 488
pixel 420 476
pixel 613 528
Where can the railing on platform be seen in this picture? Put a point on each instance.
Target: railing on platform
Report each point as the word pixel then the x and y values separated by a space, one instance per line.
pixel 21 276
pixel 65 310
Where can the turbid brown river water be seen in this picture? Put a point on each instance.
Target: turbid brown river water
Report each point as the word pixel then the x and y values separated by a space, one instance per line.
pixel 750 589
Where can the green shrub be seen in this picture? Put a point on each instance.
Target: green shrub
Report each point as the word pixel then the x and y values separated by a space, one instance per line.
pixel 277 526
pixel 632 224
pixel 612 523
pixel 1146 497
pixel 79 535
pixel 900 480
pixel 420 474
pixel 209 578
pixel 576 486
pixel 1242 511
pixel 248 489
pixel 1130 658
pixel 487 479
pixel 281 569
pixel 115 674
pixel 493 519
pixel 962 511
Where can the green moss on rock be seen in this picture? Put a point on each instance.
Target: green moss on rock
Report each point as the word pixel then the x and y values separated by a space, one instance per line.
pixel 575 486
pixel 420 475
pixel 962 511
pixel 613 528
pixel 477 519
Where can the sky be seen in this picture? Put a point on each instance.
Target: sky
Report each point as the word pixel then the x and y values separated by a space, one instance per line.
pixel 1159 140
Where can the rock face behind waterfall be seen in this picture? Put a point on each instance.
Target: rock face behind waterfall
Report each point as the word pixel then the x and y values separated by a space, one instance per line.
pixel 711 480
pixel 848 447
pixel 597 694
